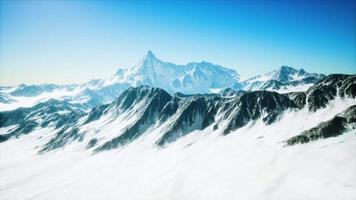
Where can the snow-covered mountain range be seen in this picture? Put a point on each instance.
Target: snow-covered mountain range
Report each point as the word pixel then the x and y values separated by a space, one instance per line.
pixel 139 108
pixel 196 131
pixel 285 78
pixel 192 78
pixel 150 144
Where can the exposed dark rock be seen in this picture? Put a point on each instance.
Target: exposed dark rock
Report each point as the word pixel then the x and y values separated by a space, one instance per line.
pixel 92 143
pixel 61 138
pixel 3 138
pixel 253 105
pixel 331 128
pixel 319 95
pixel 348 87
pixel 96 113
pixel 154 107
pixel 229 92
pixel 192 113
pixel 52 113
pixel 154 101
pixel 299 98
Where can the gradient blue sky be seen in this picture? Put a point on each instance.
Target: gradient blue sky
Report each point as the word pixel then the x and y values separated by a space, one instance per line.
pixel 75 41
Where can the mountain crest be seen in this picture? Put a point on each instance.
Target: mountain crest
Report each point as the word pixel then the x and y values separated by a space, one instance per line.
pixel 149 56
pixel 287 69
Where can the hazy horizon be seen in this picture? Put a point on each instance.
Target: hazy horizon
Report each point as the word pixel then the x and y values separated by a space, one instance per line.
pixel 113 73
pixel 65 42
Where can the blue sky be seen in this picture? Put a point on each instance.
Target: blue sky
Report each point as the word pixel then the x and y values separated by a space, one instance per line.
pixel 75 41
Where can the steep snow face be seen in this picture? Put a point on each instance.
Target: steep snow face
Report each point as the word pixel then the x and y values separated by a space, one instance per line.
pixel 190 79
pixel 284 79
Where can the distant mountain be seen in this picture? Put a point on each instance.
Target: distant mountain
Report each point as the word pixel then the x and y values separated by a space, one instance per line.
pixel 52 113
pixel 285 78
pixel 192 78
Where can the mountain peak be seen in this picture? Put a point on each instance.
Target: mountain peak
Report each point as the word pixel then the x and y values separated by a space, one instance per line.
pixel 301 72
pixel 150 55
pixel 286 68
pixel 147 62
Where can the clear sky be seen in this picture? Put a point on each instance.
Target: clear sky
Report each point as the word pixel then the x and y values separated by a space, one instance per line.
pixel 75 41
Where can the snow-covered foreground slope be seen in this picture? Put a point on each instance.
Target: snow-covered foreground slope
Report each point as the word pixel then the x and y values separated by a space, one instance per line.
pixel 252 162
